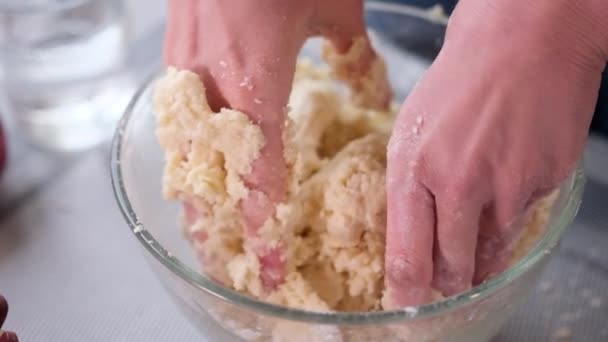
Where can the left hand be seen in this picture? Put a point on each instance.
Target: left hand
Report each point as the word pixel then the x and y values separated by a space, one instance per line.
pixel 245 53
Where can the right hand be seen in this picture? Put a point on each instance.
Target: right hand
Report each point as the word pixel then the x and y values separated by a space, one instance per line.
pixel 245 53
pixel 517 89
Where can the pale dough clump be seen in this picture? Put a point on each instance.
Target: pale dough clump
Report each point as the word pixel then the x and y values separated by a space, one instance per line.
pixel 332 224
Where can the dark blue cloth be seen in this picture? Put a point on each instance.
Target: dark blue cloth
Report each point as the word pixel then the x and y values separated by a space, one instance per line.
pixel 600 119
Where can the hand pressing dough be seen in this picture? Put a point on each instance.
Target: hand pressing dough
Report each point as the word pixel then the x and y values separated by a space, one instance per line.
pixel 332 225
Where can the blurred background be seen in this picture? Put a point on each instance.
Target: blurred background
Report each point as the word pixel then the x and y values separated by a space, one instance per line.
pixel 69 266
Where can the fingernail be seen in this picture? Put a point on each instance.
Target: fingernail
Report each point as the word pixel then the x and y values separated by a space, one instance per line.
pixel 8 336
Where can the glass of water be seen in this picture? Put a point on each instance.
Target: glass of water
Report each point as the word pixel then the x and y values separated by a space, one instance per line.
pixel 60 69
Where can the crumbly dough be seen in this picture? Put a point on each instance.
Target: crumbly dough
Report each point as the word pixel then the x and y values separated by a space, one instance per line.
pixel 332 224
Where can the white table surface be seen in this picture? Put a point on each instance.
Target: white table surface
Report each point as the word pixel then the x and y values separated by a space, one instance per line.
pixel 73 272
pixel 69 266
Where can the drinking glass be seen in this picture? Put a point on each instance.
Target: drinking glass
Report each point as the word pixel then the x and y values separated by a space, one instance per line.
pixel 60 64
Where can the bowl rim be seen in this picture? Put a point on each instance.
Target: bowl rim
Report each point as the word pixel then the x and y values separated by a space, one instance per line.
pixel 574 186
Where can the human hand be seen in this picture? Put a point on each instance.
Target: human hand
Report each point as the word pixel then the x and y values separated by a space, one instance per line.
pixel 245 53
pixel 499 120
pixel 5 336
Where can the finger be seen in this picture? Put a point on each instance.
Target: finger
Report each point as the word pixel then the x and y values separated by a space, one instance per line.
pixel 409 237
pixel 273 267
pixel 351 55
pixel 364 72
pixel 3 310
pixel 539 195
pixel 255 78
pixel 185 50
pixel 340 29
pixel 256 209
pixel 497 240
pixel 260 87
pixel 261 100
pixel 194 209
pixel 190 213
pixel 454 255
pixel 179 47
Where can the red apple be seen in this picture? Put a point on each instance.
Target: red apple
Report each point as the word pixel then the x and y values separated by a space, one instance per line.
pixel 3 150
pixel 5 336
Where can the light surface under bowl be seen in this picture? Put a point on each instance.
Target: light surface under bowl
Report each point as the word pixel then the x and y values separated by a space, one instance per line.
pixel 409 39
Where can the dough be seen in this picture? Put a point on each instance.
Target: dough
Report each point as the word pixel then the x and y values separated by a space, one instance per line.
pixel 332 225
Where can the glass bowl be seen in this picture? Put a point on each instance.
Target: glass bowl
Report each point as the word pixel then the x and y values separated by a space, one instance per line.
pixel 409 39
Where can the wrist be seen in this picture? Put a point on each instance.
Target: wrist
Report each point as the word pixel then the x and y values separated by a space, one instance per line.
pixel 570 29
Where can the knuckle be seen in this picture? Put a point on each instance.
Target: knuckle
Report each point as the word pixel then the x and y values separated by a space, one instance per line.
pixel 400 144
pixel 496 246
pixel 557 169
pixel 508 213
pixel 403 155
pixel 486 250
pixel 460 189
pixel 418 167
pixel 508 209
pixel 559 176
pixel 538 195
pixel 458 267
pixel 459 183
pixel 403 272
pixel 452 278
pixel 406 135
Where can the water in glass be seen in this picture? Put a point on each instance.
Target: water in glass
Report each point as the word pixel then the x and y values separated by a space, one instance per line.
pixel 60 66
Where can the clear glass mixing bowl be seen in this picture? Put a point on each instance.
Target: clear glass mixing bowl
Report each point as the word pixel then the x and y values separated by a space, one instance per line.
pixel 409 39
